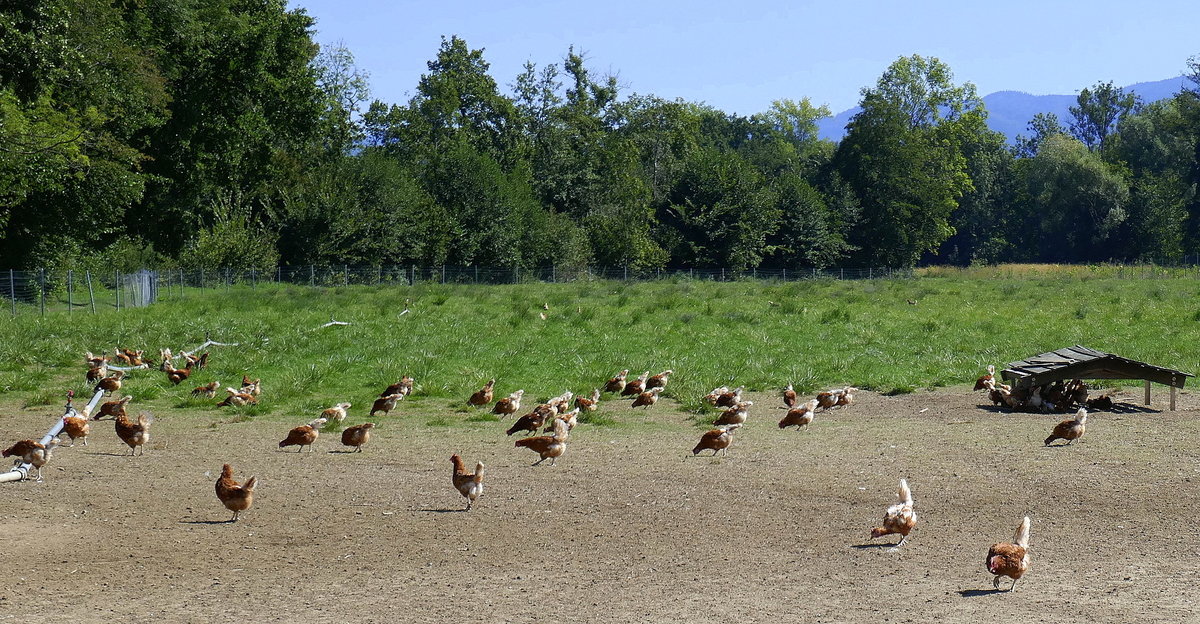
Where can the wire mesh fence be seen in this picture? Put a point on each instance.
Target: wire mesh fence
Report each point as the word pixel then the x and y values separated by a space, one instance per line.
pixel 89 291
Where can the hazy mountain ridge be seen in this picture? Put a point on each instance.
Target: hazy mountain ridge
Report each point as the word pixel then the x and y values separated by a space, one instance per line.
pixel 1010 111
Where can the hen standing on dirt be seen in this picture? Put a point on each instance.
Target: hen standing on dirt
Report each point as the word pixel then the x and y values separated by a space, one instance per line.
pixel 236 498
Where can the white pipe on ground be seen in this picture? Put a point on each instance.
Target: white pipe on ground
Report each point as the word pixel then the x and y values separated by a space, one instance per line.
pixel 207 343
pixel 21 471
pixel 87 409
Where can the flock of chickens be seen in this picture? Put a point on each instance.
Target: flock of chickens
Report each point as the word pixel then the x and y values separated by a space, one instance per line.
pixel 1058 396
pixel 557 417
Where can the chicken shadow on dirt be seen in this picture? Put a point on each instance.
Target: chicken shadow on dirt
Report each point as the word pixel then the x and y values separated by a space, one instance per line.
pixel 110 454
pixel 206 522
pixel 972 593
pixel 459 510
pixel 872 545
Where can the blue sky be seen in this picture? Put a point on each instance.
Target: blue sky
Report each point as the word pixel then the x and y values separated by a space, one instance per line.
pixel 738 57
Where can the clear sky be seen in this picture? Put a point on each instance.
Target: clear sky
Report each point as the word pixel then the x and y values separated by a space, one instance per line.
pixel 739 56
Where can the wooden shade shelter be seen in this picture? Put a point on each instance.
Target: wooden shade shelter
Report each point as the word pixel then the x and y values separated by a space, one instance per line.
pixel 1079 362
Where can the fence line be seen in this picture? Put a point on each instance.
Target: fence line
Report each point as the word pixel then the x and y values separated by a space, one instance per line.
pixel 116 290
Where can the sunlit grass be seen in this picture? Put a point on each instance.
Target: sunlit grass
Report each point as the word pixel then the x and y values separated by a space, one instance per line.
pixel 760 334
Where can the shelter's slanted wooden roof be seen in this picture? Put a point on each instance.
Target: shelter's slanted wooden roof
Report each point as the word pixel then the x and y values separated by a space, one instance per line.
pixel 1079 362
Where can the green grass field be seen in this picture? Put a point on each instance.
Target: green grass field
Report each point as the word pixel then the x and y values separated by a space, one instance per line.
pixel 814 334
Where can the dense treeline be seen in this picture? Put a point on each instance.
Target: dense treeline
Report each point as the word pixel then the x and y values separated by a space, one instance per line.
pixel 217 133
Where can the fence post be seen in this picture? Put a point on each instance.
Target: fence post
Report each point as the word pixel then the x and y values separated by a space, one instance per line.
pixel 180 283
pixel 117 290
pixel 627 272
pixel 346 281
pixel 253 279
pixel 443 273
pixel 91 295
pixel 12 291
pixel 70 293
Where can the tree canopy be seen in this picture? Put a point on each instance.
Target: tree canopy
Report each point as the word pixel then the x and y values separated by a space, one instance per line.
pixel 211 132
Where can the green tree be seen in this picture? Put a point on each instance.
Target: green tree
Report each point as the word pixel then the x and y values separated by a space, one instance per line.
pixel 245 112
pixel 345 88
pixel 902 156
pixel 809 234
pixel 1097 112
pixel 1041 126
pixel 1155 146
pixel 458 100
pixel 78 92
pixel 1078 201
pixel 1187 101
pixel 570 166
pixel 366 210
pixel 983 222
pixel 723 212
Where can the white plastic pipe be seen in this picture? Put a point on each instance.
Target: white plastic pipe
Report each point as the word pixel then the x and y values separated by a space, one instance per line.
pixel 126 368
pixel 87 409
pixel 22 471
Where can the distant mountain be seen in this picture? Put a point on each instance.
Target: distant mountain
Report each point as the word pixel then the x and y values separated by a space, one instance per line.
pixel 1010 111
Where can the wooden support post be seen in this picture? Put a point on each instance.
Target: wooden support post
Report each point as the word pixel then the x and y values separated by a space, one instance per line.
pixel 1147 392
pixel 1172 398
pixel 70 291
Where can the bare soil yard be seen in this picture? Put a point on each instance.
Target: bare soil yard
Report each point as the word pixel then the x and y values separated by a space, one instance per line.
pixel 628 527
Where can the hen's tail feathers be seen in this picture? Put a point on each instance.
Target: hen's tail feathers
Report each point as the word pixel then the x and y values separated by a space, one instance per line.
pixel 1022 537
pixel 478 473
pixel 249 484
pixel 905 494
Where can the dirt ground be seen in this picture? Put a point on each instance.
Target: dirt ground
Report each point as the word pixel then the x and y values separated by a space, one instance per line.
pixel 626 528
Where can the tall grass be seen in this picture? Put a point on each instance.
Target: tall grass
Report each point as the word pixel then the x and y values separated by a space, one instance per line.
pixel 759 334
